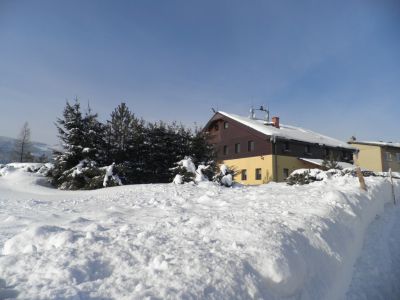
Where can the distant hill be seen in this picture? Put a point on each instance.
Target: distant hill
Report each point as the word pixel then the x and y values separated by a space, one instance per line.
pixel 7 146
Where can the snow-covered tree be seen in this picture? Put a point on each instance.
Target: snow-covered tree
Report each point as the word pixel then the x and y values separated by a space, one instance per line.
pixel 76 166
pixel 94 137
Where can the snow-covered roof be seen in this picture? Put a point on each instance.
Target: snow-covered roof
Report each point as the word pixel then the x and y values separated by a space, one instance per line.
pixel 288 132
pixel 372 143
pixel 319 162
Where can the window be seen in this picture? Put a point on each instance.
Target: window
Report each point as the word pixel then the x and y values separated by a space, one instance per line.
pixel 225 149
pixel 226 125
pixel 285 173
pixel 286 146
pixel 258 174
pixel 250 146
pixel 307 149
pixel 237 148
pixel 216 127
pixel 327 152
pixel 244 174
pixel 398 157
pixel 388 156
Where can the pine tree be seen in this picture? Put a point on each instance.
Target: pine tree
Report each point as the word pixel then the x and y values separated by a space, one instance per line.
pixel 331 163
pixel 94 138
pixel 120 135
pixel 125 143
pixel 203 152
pixel 76 167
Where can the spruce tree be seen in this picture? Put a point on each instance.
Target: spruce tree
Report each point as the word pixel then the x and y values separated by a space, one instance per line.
pixel 120 135
pixel 71 133
pixel 76 166
pixel 94 138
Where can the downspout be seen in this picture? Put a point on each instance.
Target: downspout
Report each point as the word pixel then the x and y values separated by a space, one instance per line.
pixel 274 160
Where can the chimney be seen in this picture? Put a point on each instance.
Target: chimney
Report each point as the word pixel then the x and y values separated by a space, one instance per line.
pixel 275 122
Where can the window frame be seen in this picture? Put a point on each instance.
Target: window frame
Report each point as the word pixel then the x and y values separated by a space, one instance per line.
pixel 226 124
pixel 237 148
pixel 307 149
pixel 388 156
pixel 225 150
pixel 258 175
pixel 285 173
pixel 243 175
pixel 250 146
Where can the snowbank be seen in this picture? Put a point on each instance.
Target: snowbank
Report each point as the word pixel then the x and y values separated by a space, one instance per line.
pixel 167 241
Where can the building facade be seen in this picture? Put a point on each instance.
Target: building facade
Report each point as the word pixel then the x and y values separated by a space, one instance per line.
pixel 262 151
pixel 377 156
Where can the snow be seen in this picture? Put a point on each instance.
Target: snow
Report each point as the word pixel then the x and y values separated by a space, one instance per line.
pixel 166 241
pixel 110 174
pixel 373 143
pixel 377 270
pixel 200 177
pixel 178 179
pixel 288 132
pixel 190 167
pixel 319 162
pixel 188 164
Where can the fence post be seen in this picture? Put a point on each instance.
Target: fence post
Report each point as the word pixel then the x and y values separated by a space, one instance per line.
pixel 391 182
pixel 360 176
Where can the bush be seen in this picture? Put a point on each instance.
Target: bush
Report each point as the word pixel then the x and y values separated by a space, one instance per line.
pixel 84 176
pixel 225 176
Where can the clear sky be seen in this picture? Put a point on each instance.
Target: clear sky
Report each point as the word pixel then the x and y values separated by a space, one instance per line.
pixel 330 66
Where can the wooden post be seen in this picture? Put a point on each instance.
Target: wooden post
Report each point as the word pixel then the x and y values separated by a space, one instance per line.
pixel 360 176
pixel 391 182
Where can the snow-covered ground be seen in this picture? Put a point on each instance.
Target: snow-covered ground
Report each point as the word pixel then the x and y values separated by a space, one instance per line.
pixel 169 241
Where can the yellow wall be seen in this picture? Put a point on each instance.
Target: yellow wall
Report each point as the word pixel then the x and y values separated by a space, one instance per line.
pixel 291 163
pixel 266 163
pixel 251 164
pixel 369 157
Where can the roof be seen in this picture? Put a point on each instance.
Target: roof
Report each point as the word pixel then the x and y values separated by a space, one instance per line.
pixel 379 144
pixel 288 132
pixel 319 162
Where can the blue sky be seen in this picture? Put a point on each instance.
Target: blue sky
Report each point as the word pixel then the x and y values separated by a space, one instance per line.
pixel 330 66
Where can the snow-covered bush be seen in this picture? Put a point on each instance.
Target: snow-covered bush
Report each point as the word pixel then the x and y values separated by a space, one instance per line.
pixel 304 176
pixel 111 178
pixel 46 169
pixel 185 171
pixel 201 173
pixel 225 176
pixel 86 175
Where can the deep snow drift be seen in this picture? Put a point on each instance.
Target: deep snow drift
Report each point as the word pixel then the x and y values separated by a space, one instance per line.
pixel 185 241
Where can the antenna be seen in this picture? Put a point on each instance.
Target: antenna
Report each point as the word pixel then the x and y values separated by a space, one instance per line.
pixel 214 111
pixel 262 108
pixel 252 113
